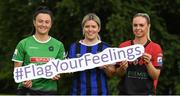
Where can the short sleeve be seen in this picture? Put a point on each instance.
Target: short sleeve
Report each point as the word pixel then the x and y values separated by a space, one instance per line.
pixel 61 53
pixel 19 53
pixel 72 50
pixel 157 58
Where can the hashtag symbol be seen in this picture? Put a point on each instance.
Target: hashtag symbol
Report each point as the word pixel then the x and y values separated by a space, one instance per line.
pixel 19 73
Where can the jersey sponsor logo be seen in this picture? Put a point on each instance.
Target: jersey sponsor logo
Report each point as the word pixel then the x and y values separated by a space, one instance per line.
pixel 33 47
pixel 40 59
pixel 51 48
pixel 138 75
pixel 78 55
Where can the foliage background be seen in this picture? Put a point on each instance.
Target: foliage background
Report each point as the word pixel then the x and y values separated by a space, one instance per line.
pixel 115 15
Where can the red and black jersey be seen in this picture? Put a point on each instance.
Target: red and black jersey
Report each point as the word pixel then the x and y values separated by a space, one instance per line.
pixel 137 80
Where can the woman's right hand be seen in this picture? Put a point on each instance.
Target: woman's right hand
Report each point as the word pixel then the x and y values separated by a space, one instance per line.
pixel 122 68
pixel 27 84
pixel 56 77
pixel 123 65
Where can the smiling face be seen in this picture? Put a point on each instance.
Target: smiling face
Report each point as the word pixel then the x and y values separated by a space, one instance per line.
pixel 91 30
pixel 140 27
pixel 42 23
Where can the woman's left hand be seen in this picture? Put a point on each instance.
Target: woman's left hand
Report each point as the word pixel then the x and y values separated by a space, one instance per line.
pixel 56 77
pixel 147 58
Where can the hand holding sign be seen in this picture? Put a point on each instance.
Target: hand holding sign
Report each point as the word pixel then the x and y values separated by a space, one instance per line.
pixel 147 58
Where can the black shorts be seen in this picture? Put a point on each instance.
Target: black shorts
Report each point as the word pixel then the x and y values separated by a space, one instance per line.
pixel 27 91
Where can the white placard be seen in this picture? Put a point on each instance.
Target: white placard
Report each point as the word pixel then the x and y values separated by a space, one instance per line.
pixel 87 61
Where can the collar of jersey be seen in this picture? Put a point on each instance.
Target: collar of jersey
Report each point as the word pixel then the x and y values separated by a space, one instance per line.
pixel 81 42
pixel 42 41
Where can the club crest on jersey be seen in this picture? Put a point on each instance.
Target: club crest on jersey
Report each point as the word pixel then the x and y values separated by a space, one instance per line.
pixel 51 48
pixel 135 62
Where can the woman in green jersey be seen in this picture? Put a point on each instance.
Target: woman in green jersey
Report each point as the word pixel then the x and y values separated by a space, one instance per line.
pixel 39 49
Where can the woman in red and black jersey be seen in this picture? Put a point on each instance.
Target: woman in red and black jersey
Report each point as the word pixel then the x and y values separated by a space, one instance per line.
pixel 141 75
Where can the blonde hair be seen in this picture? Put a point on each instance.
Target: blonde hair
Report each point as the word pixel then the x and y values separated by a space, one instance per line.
pixel 94 17
pixel 146 16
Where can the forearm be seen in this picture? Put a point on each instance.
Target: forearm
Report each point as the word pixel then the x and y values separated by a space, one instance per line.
pixel 153 72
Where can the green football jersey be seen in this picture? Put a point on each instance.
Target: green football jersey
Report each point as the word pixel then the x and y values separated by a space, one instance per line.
pixel 30 50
